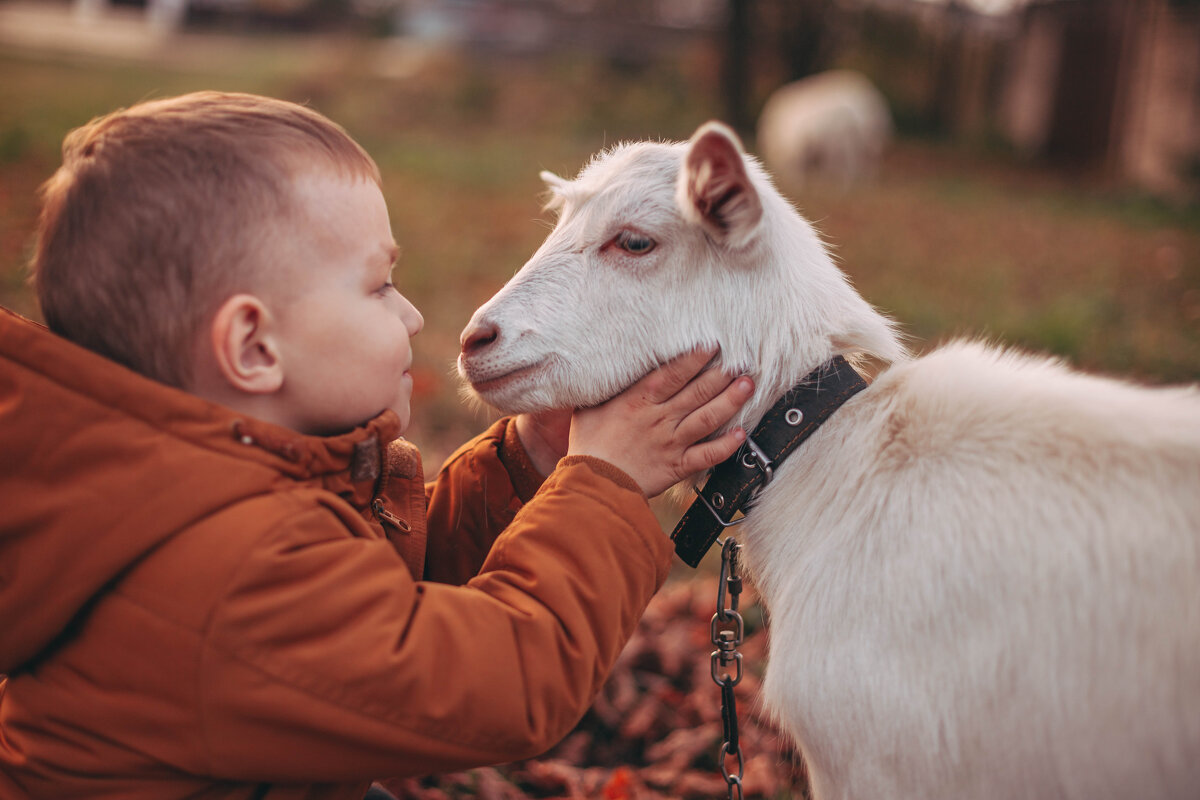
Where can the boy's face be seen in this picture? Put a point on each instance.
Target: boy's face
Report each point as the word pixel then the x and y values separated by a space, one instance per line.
pixel 344 330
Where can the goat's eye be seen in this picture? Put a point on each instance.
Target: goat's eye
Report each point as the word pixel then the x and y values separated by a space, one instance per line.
pixel 637 244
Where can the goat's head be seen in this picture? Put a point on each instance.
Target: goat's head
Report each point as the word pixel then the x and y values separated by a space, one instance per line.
pixel 660 248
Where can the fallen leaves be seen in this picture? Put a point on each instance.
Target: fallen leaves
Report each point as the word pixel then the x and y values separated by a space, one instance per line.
pixel 654 732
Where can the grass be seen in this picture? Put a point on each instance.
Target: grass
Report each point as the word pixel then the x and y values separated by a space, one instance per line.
pixel 949 242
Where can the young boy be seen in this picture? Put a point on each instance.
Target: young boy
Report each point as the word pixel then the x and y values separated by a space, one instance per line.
pixel 221 574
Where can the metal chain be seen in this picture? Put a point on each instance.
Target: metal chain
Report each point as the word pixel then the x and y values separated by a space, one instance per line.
pixel 727 629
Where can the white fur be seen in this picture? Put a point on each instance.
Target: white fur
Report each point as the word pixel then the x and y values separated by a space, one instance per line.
pixel 835 124
pixel 982 574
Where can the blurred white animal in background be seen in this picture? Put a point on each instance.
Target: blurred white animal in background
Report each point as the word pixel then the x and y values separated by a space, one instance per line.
pixel 982 572
pixel 834 125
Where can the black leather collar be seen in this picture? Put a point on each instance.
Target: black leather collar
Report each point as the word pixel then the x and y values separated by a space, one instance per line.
pixel 735 481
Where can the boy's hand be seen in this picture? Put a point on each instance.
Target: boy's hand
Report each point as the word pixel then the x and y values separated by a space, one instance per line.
pixel 653 430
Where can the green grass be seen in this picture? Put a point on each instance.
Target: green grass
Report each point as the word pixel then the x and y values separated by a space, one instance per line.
pixel 948 242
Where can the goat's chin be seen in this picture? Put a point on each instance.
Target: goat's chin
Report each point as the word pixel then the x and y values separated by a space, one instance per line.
pixel 524 395
pixel 510 391
pixel 504 402
pixel 542 386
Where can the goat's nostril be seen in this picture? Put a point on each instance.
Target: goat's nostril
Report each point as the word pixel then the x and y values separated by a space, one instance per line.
pixel 477 337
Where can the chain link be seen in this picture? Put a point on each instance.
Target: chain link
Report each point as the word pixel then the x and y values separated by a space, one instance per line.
pixel 727 629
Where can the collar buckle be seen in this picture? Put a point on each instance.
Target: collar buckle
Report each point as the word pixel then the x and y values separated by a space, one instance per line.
pixel 755 458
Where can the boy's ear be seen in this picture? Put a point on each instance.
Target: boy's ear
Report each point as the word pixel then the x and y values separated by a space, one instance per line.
pixel 244 347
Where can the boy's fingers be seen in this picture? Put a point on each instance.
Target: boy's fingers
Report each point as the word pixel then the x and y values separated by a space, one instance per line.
pixel 716 411
pixel 701 390
pixel 703 455
pixel 666 381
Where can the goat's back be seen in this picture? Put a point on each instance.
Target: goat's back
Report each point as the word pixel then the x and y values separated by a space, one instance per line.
pixel 983 576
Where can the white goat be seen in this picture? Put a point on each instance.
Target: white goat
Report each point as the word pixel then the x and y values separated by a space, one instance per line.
pixel 834 124
pixel 982 573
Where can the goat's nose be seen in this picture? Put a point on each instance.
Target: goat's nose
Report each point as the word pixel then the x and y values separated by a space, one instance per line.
pixel 478 336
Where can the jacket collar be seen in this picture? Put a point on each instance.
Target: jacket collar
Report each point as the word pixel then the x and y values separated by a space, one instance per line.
pixel 353 465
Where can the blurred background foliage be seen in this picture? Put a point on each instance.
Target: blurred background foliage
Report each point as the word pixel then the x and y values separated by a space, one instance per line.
pixel 961 232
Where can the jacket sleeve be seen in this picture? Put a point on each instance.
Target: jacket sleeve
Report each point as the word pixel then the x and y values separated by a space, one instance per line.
pixel 474 497
pixel 327 662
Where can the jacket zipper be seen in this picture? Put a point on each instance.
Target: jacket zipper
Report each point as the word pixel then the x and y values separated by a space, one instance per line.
pixel 386 516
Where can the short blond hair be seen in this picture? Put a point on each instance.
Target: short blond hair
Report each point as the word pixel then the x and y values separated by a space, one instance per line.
pixel 157 213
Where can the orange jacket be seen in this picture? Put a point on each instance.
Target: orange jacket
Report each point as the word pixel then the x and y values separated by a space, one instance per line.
pixel 194 604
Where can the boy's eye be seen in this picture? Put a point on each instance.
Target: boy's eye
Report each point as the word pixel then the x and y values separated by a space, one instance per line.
pixel 637 244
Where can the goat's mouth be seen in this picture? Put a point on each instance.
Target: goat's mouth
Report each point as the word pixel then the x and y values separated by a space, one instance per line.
pixel 486 384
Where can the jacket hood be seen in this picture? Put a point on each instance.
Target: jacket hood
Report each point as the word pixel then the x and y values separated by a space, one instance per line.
pixel 99 465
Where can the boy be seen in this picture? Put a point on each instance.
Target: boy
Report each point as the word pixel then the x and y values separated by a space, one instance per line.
pixel 215 579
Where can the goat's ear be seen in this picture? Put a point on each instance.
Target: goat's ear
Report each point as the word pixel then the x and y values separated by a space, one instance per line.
pixel 714 189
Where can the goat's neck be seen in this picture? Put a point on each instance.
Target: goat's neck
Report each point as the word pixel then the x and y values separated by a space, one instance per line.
pixel 772 384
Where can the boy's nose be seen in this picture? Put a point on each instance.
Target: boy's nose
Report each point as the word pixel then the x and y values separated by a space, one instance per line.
pixel 413 319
